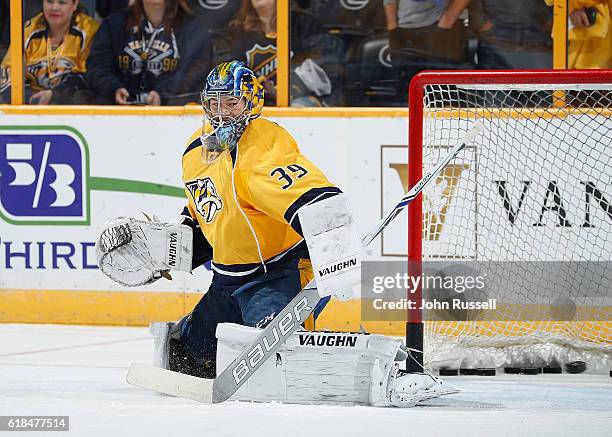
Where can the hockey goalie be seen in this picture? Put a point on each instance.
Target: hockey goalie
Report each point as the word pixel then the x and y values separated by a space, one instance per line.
pixel 269 221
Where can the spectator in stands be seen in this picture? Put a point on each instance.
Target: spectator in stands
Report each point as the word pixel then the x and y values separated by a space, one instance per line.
pixel 512 34
pixel 30 8
pixel 154 53
pixel 57 42
pixel 427 28
pixel 590 38
pixel 315 61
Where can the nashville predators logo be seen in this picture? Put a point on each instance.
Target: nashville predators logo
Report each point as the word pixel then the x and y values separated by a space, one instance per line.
pixel 40 73
pixel 204 195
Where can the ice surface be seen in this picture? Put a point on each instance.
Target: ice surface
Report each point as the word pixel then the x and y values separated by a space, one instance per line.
pixel 80 372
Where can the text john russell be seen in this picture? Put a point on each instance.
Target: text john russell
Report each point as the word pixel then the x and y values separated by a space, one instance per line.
pixel 434 304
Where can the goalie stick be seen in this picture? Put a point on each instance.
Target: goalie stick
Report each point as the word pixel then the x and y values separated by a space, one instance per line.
pixel 278 330
pixel 425 180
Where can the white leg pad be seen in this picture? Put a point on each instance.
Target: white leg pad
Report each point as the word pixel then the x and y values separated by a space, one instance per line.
pixel 319 368
pixel 160 332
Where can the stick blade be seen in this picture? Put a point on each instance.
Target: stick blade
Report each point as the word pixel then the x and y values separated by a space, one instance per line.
pixel 170 383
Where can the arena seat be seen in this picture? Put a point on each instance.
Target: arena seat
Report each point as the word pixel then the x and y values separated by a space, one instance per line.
pixel 214 14
pixel 364 15
pixel 370 80
pixel 350 20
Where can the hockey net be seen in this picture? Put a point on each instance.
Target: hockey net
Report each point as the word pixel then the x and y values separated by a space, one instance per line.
pixel 535 186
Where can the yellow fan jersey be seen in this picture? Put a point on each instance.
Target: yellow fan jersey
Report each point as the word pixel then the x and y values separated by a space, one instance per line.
pixel 47 68
pixel 246 201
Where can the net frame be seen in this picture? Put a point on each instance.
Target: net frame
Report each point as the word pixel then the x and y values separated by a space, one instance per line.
pixel 556 80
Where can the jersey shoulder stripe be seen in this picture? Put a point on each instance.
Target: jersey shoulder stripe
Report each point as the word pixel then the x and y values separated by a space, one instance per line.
pixel 80 34
pixel 36 34
pixel 197 142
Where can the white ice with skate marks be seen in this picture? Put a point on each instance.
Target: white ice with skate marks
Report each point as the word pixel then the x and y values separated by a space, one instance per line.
pixel 80 372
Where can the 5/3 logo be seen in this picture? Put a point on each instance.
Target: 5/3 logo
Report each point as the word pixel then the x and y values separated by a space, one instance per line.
pixel 43 174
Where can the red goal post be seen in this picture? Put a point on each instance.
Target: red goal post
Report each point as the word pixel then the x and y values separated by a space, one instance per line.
pixel 537 94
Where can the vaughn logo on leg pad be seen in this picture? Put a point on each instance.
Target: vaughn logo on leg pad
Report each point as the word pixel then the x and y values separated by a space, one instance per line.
pixel 338 267
pixel 327 340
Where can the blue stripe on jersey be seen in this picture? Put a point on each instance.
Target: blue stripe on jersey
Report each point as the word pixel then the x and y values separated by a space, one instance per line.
pixel 195 143
pixel 229 274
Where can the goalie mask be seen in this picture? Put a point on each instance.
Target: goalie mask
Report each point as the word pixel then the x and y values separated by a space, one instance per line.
pixel 231 98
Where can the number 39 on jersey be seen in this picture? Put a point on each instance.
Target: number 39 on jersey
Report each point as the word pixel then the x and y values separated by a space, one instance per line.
pixel 287 174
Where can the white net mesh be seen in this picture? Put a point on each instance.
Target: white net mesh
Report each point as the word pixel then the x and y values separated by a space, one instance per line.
pixel 536 185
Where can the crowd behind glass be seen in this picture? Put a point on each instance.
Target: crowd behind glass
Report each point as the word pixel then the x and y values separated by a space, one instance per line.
pixel 343 52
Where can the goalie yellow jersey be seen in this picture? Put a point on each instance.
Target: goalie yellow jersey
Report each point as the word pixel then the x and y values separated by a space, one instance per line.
pixel 246 202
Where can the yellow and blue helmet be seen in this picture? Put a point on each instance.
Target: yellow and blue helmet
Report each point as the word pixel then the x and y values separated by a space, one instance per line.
pixel 231 98
pixel 235 80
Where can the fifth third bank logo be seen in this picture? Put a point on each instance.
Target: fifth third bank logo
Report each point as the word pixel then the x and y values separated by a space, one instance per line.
pixel 42 177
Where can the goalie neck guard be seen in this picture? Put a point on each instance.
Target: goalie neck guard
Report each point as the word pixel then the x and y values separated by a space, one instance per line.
pixel 231 98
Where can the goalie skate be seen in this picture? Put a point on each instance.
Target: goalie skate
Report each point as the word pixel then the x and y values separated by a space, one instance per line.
pixel 408 389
